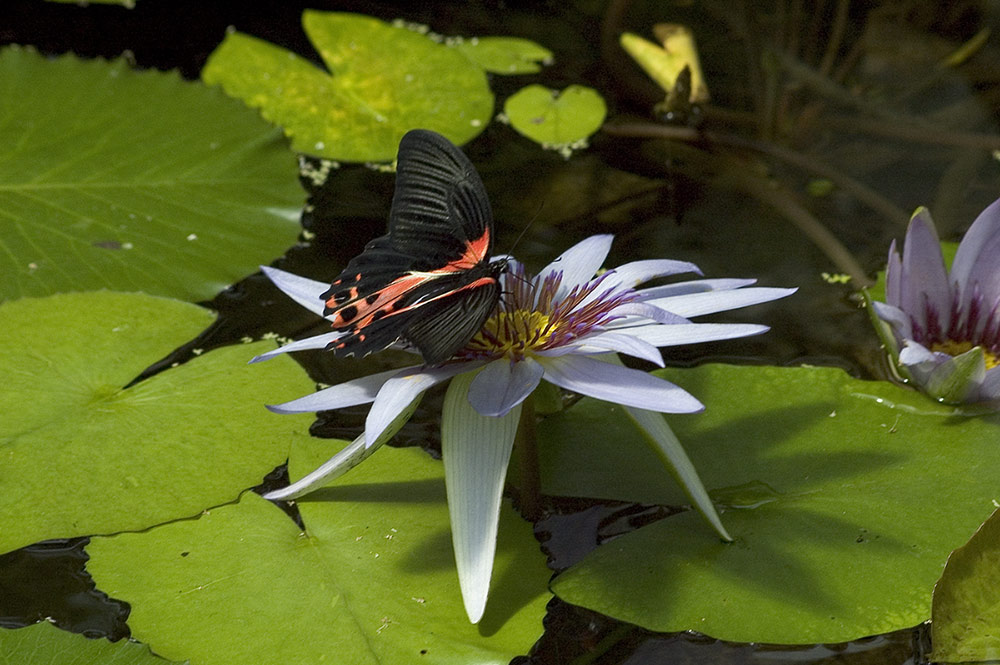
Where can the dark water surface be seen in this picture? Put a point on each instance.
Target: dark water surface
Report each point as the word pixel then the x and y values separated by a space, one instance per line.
pixel 802 93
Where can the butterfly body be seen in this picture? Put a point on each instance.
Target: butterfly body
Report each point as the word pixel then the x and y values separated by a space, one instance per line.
pixel 429 280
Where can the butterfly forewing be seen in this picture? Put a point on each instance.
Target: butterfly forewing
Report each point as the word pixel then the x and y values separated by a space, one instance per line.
pixel 428 279
pixel 440 207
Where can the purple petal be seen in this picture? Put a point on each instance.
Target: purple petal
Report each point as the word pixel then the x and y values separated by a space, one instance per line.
pixel 893 276
pixel 317 342
pixel 977 260
pixel 694 286
pixel 896 318
pixel 621 385
pixel 924 280
pixel 579 263
pixel 349 393
pixel 989 391
pixel 630 275
pixel 399 391
pixel 475 450
pixel 302 290
pixel 503 384
pixel 690 333
pixel 696 304
pixel 610 341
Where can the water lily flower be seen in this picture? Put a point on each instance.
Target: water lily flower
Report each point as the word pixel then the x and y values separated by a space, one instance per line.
pixel 945 326
pixel 564 326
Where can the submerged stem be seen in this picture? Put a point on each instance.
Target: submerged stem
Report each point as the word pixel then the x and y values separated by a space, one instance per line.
pixel 527 455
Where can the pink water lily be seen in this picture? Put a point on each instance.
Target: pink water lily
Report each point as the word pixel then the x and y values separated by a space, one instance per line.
pixel 564 326
pixel 945 325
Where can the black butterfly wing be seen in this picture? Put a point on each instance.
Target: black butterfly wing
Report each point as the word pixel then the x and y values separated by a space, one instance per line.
pixel 446 325
pixel 440 211
pixel 434 256
pixel 438 317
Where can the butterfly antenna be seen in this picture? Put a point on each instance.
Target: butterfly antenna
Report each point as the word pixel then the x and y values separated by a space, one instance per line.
pixel 527 226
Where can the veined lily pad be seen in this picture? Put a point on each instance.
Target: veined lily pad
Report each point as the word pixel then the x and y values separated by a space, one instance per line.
pixel 966 614
pixel 129 180
pixel 845 498
pixel 373 576
pixel 383 80
pixel 43 643
pixel 82 454
pixel 555 118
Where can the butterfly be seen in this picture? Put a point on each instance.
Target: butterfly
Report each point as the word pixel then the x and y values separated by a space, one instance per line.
pixel 429 280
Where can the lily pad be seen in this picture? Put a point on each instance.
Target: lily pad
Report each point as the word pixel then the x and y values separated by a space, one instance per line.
pixel 83 454
pixel 134 180
pixel 555 118
pixel 373 576
pixel 505 55
pixel 966 614
pixel 845 498
pixel 383 80
pixel 43 643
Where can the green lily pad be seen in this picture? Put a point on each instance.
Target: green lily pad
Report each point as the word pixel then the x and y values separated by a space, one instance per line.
pixel 383 81
pixel 43 643
pixel 505 55
pixel 845 498
pixel 83 455
pixel 134 180
pixel 373 576
pixel 555 118
pixel 966 615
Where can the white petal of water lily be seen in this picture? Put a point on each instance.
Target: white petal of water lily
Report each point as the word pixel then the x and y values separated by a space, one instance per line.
pixel 709 302
pixel 670 450
pixel 349 457
pixel 316 342
pixel 350 393
pixel 621 385
pixel 302 290
pixel 398 392
pixel 610 341
pixel 475 450
pixel 693 286
pixel 649 311
pixel 503 384
pixel 630 275
pixel 689 333
pixel 916 354
pixel 579 263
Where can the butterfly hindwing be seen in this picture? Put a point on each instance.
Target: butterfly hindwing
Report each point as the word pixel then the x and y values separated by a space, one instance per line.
pixel 450 322
pixel 429 279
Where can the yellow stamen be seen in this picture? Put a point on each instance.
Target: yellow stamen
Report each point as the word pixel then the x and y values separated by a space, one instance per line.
pixel 517 331
pixel 953 348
